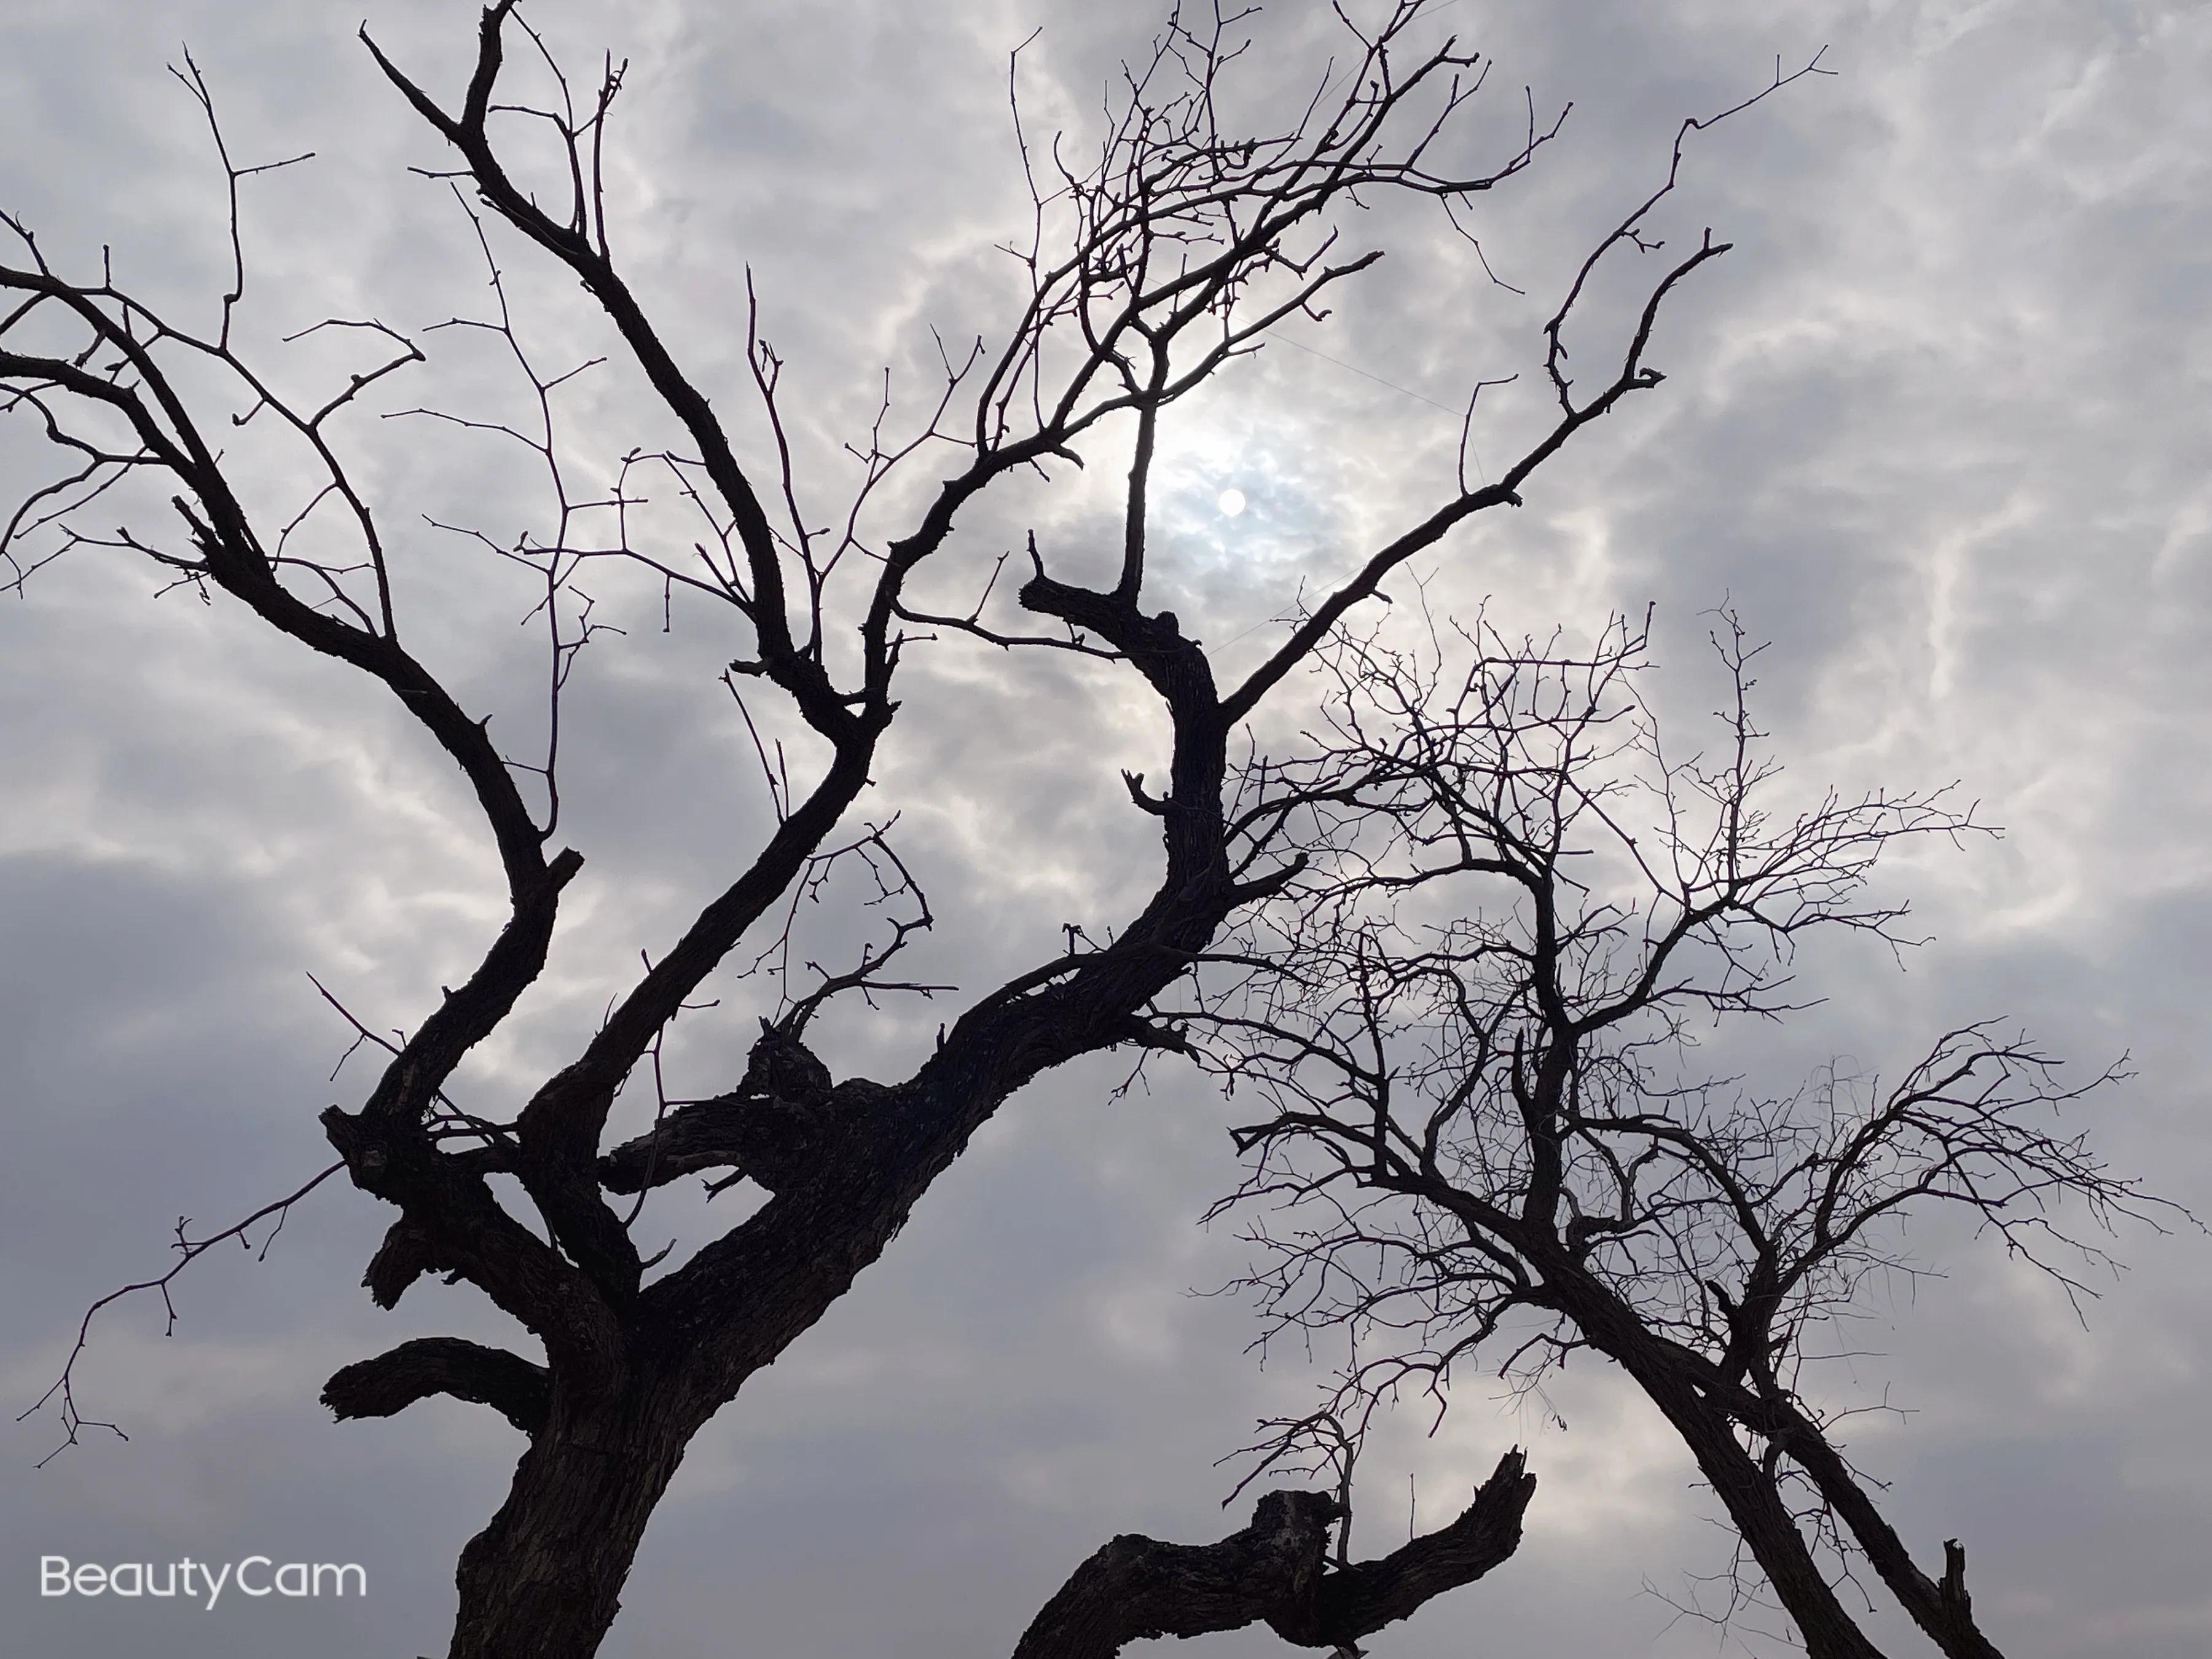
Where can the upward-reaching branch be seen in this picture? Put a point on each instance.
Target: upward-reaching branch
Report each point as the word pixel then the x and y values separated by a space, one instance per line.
pixel 585 255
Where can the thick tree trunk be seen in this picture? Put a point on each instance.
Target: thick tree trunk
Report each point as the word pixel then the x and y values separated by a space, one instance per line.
pixel 545 1579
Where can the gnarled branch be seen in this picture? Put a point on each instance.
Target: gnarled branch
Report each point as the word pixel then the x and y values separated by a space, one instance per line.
pixel 1275 1571
pixel 429 1366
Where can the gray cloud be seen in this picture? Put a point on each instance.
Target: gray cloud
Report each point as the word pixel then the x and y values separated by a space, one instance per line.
pixel 1937 426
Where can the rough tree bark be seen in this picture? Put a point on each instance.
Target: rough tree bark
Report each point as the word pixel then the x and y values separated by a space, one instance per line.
pixel 1274 1573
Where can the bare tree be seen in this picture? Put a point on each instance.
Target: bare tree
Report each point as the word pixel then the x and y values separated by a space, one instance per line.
pixel 1175 249
pixel 1490 1136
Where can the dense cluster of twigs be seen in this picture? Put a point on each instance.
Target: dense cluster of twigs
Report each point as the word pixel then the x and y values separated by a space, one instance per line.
pixel 1476 1023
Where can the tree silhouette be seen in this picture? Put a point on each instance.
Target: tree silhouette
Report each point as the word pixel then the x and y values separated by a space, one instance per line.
pixel 1175 248
pixel 1475 1019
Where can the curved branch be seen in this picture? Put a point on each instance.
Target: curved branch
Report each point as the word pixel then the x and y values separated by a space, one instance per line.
pixel 1274 1573
pixel 431 1366
pixel 1137 1587
pixel 1361 1598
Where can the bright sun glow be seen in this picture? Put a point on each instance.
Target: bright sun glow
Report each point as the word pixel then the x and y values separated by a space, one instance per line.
pixel 1231 502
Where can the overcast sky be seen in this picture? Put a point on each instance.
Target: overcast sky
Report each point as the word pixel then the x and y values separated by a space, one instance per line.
pixel 1938 427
